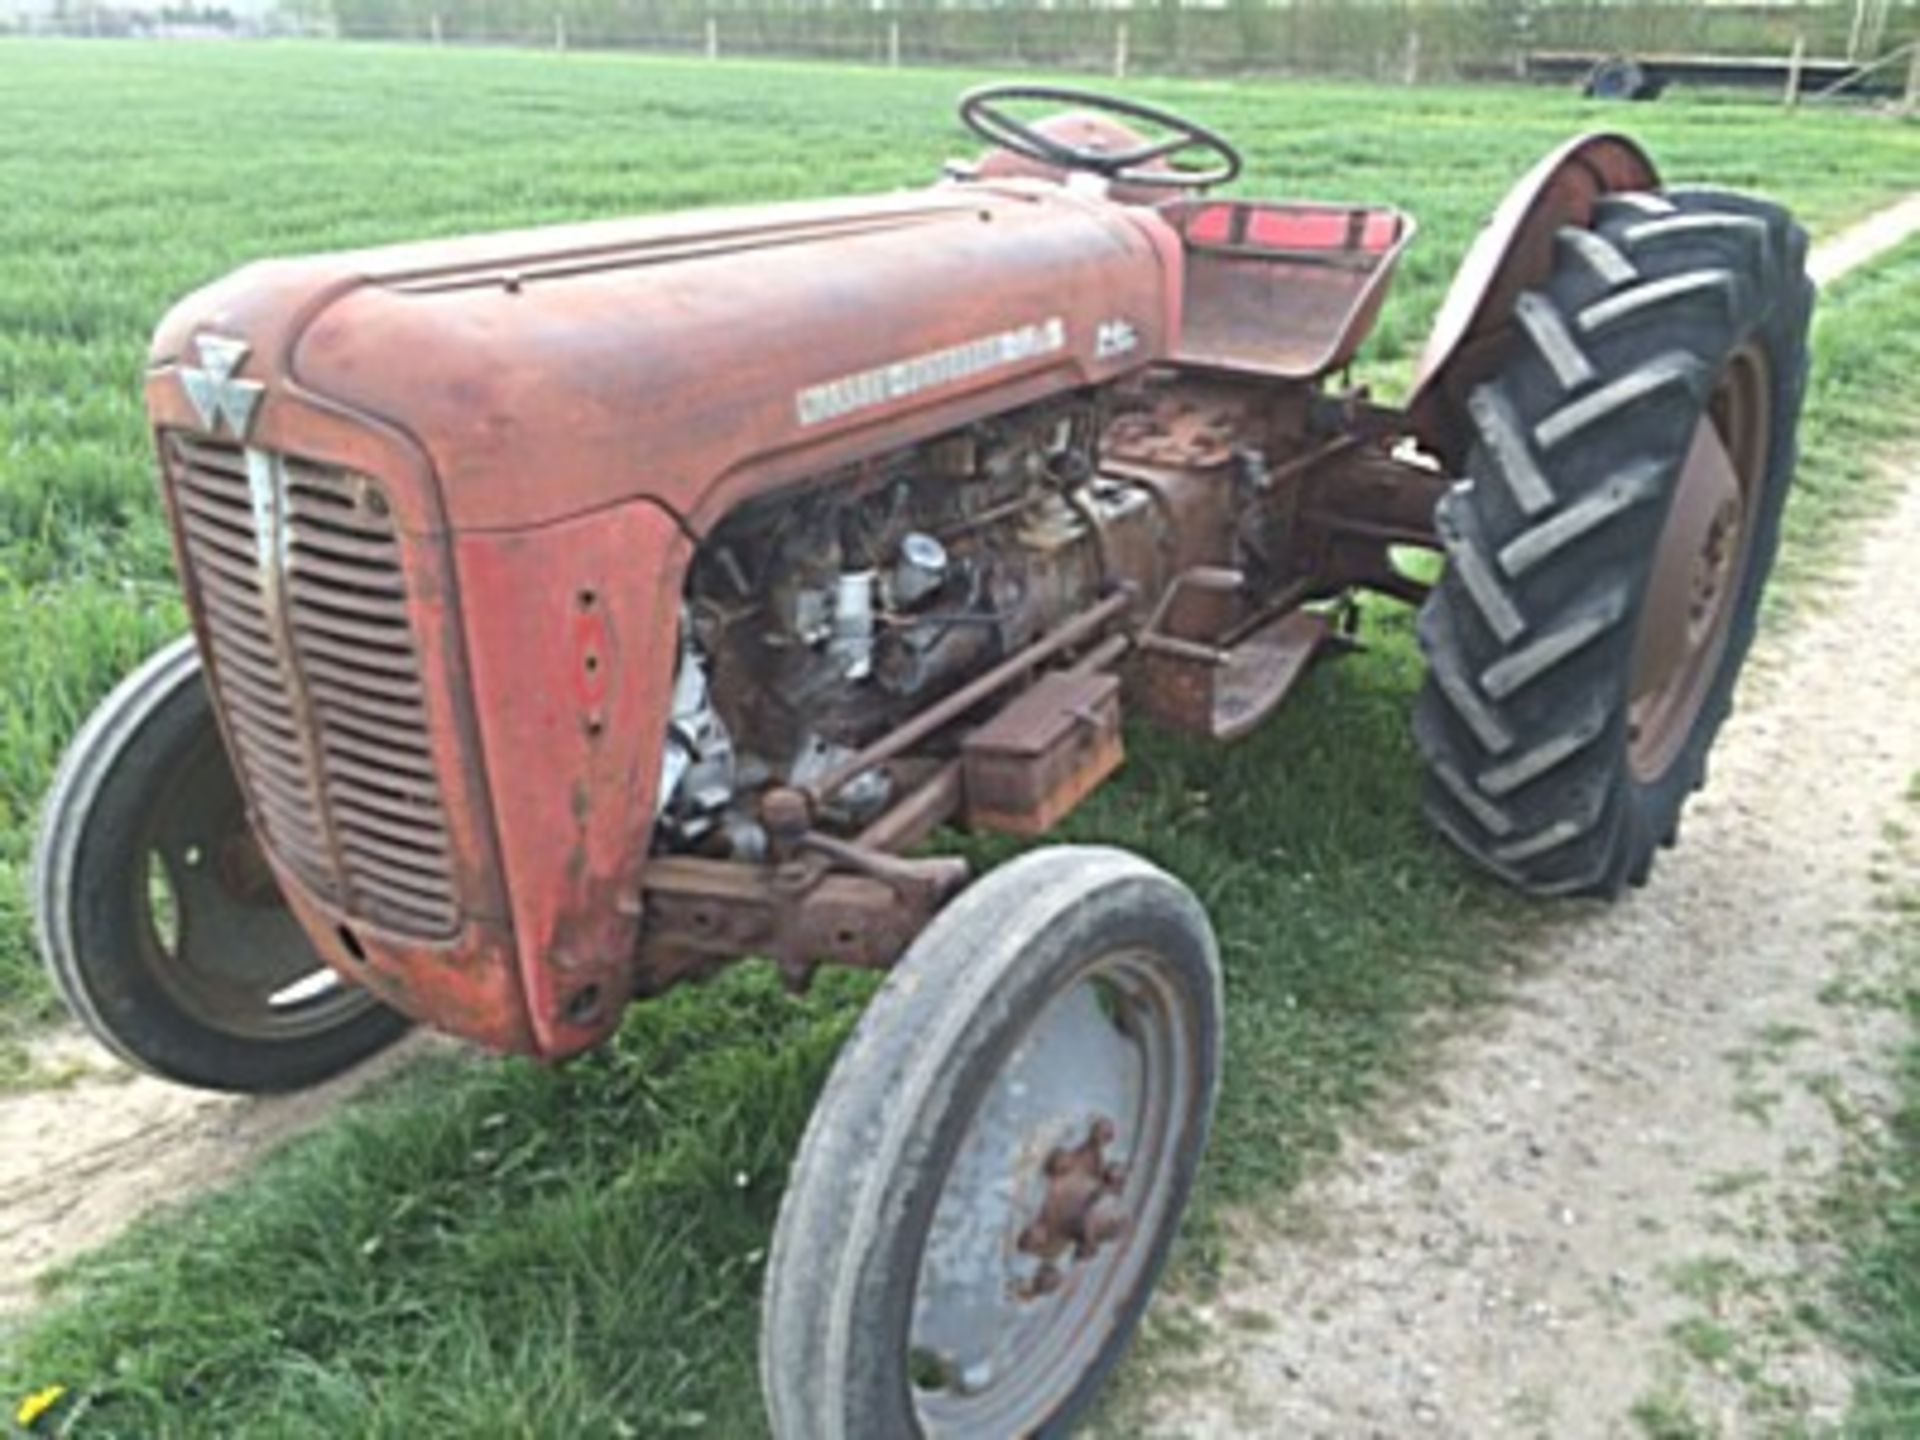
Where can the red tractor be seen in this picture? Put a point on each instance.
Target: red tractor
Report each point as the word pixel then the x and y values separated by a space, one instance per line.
pixel 579 611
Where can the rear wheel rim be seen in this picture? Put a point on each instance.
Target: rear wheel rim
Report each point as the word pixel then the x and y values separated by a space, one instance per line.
pixel 1700 566
pixel 212 928
pixel 1045 1224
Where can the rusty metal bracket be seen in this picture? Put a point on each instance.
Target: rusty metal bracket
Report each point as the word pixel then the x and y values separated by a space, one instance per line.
pixel 702 915
pixel 927 882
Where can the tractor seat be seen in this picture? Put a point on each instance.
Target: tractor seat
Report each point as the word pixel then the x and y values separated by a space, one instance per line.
pixel 1283 290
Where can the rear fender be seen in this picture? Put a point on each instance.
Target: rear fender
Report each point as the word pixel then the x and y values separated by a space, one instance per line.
pixel 1512 254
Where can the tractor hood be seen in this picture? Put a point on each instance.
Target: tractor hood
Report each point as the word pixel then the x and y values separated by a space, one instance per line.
pixel 691 359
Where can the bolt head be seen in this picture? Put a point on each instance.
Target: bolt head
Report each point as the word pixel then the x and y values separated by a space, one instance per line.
pixel 786 812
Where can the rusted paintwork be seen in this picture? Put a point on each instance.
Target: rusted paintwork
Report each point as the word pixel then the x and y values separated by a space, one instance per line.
pixel 704 914
pixel 469 982
pixel 1082 1207
pixel 573 646
pixel 501 391
pixel 753 352
pixel 1703 553
pixel 558 417
pixel 1513 253
pixel 1043 753
pixel 1222 694
pixel 1283 291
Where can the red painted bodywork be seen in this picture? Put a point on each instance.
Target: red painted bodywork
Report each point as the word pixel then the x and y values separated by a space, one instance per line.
pixel 555 414
pixel 1514 252
pixel 558 415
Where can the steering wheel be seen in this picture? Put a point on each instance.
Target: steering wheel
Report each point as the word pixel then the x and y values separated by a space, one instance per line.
pixel 981 113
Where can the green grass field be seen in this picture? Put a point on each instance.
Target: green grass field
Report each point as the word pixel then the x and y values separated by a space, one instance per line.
pixel 489 1248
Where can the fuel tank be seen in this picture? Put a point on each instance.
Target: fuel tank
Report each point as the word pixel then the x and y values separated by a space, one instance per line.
pixel 433 507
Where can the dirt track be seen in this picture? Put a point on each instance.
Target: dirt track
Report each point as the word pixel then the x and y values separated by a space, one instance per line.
pixel 1634 1141
pixel 83 1159
pixel 1488 1261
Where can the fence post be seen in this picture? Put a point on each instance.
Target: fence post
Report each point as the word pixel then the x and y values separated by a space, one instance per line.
pixel 559 31
pixel 1412 72
pixel 893 42
pixel 1911 104
pixel 713 38
pixel 1793 70
pixel 1120 51
pixel 435 27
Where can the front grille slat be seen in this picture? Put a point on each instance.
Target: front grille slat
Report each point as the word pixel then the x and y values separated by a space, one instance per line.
pixel 392 898
pixel 396 765
pixel 240 571
pixel 320 536
pixel 379 686
pixel 373 659
pixel 403 822
pixel 381 582
pixel 202 515
pixel 386 611
pixel 204 457
pixel 371 787
pixel 314 661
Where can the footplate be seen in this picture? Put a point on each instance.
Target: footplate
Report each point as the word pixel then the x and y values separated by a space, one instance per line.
pixel 1223 694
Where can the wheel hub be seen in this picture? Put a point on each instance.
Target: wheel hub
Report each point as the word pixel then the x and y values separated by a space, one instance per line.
pixel 1712 569
pixel 1035 1232
pixel 1081 1212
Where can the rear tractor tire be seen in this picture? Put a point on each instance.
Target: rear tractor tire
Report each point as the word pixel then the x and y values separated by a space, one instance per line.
pixel 158 918
pixel 998 1163
pixel 1607 552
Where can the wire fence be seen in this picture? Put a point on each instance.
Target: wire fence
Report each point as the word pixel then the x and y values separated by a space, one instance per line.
pixel 1380 39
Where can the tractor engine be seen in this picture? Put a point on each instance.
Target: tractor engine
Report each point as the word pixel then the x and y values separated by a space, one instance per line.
pixel 814 624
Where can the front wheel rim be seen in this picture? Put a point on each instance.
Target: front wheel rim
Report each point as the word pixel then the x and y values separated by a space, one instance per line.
pixel 1700 565
pixel 211 926
pixel 1049 1212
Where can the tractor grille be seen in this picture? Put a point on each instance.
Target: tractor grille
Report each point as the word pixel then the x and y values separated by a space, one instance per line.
pixel 297 572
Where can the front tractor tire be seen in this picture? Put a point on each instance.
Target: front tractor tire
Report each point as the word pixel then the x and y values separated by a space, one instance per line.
pixel 159 921
pixel 1608 548
pixel 999 1161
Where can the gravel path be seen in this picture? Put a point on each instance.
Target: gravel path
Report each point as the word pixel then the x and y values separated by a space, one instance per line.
pixel 1634 1142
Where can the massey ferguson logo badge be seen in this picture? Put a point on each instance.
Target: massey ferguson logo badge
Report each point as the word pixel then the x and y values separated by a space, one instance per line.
pixel 216 394
pixel 884 383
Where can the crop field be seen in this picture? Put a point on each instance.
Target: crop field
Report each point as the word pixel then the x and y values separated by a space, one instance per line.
pixel 490 1248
